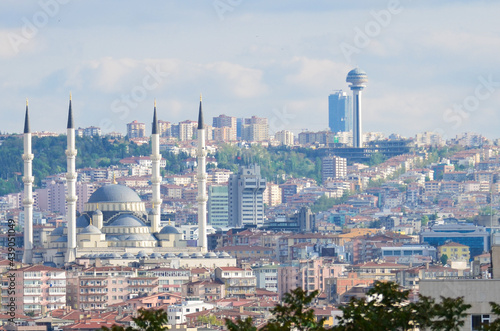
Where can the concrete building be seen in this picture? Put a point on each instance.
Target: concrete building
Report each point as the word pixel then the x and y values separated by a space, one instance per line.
pixel 475 237
pixel 267 277
pixel 245 197
pixel 255 129
pixel 333 167
pixel 136 130
pixel 340 112
pixel 38 289
pixel 223 121
pixel 476 292
pixel 239 282
pixel 218 213
pixel 177 313
pixel 285 137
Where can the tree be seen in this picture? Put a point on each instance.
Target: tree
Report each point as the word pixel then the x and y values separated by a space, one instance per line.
pixel 240 325
pixel 147 320
pixel 444 259
pixel 386 307
pixel 294 313
pixel 495 325
pixel 425 220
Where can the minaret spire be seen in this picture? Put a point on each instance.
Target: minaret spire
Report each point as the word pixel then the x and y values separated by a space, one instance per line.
pixel 200 117
pixel 27 119
pixel 70 115
pixel 71 183
pixel 28 192
pixel 154 130
pixel 155 174
pixel 202 184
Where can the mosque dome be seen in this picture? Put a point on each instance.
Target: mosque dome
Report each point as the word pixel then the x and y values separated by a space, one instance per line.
pixel 114 193
pixel 169 230
pixel 59 231
pixel 83 221
pixel 91 229
pixel 127 220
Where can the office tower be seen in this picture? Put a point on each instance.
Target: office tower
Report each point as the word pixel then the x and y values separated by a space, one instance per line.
pixel 358 80
pixel 136 130
pixel 202 184
pixel 339 112
pixel 223 121
pixel 333 167
pixel 246 203
pixel 218 215
pixel 28 192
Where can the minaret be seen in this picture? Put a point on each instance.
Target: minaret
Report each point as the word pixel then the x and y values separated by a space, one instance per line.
pixel 358 80
pixel 202 184
pixel 71 183
pixel 28 191
pixel 155 177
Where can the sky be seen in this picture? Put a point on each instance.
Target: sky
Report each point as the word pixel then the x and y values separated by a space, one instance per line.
pixel 431 65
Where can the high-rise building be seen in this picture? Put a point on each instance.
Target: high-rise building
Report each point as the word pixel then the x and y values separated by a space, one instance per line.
pixel 187 130
pixel 339 112
pixel 165 128
pixel 245 197
pixel 218 216
pixel 136 129
pixel 358 80
pixel 255 129
pixel 333 167
pixel 223 121
pixel 284 137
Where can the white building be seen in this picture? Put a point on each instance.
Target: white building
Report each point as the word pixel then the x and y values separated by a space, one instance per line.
pixel 177 313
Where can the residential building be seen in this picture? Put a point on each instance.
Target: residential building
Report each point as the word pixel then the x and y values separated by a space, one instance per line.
pixel 38 289
pixel 136 130
pixel 285 137
pixel 239 282
pixel 223 121
pixel 255 129
pixel 333 167
pixel 454 252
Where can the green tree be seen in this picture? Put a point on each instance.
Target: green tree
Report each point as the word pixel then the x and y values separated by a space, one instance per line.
pixel 444 259
pixel 495 325
pixel 386 307
pixel 425 220
pixel 147 320
pixel 295 313
pixel 240 325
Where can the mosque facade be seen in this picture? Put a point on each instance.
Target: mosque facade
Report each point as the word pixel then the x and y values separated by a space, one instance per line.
pixel 115 223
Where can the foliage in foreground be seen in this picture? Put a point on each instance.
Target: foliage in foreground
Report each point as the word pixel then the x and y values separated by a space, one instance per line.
pixel 385 307
pixel 147 320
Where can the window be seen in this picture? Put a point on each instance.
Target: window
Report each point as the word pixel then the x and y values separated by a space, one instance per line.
pixel 478 320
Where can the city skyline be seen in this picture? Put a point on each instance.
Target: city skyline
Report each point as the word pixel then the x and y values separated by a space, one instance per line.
pixel 245 66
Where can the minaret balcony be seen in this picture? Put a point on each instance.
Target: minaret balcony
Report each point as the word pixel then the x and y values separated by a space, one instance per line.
pixel 28 179
pixel 71 176
pixel 71 153
pixel 28 157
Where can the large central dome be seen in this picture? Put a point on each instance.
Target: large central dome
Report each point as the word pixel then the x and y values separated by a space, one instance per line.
pixel 114 193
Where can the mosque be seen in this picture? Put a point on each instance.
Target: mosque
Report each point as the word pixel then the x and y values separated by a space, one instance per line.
pixel 115 224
